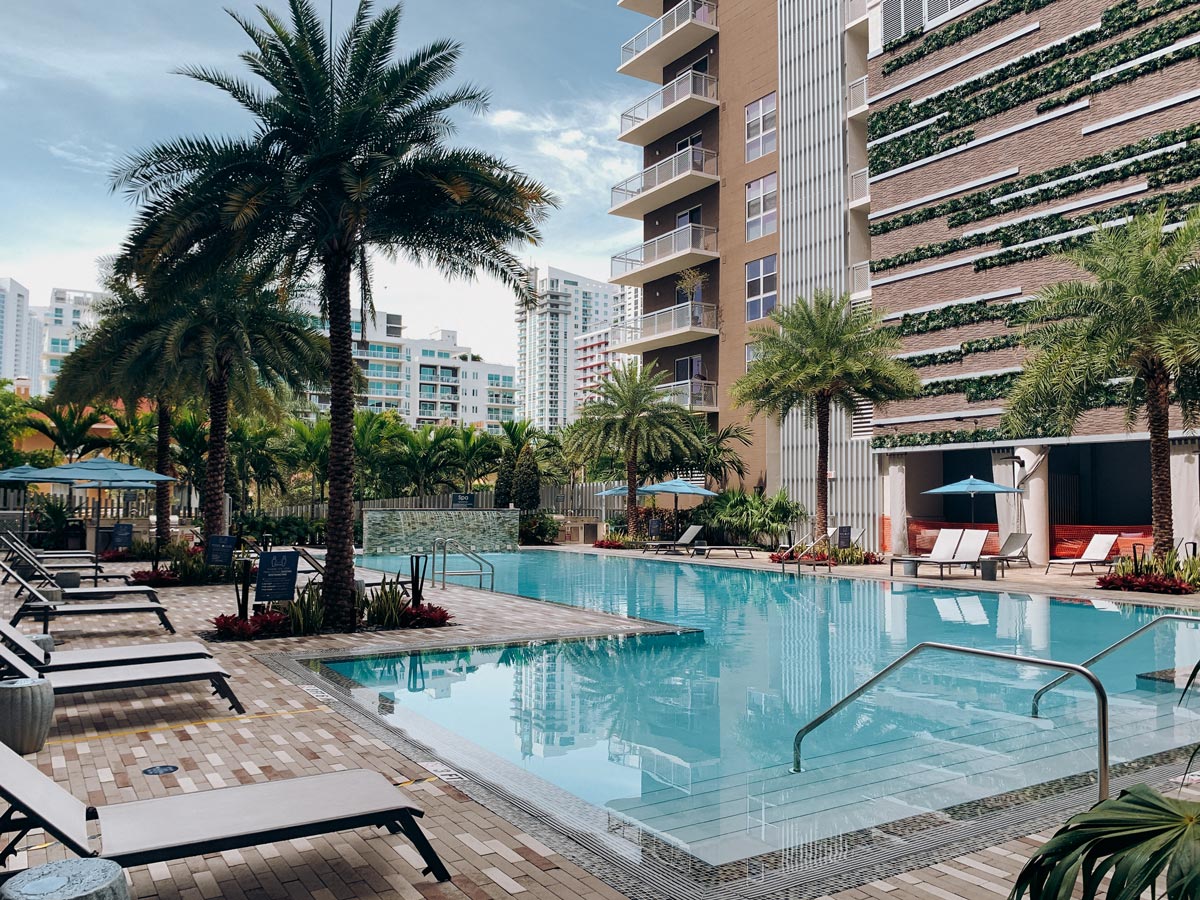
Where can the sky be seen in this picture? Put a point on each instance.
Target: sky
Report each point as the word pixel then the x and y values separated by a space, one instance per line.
pixel 83 84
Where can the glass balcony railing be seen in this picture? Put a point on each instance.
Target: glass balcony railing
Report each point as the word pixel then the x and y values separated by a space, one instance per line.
pixel 665 321
pixel 700 238
pixel 703 11
pixel 689 159
pixel 689 84
pixel 695 394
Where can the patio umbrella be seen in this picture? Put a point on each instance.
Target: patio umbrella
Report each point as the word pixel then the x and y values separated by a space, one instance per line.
pixel 675 487
pixel 620 491
pixel 972 486
pixel 21 475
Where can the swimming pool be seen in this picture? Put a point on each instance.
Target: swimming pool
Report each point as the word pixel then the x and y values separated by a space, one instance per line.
pixel 689 736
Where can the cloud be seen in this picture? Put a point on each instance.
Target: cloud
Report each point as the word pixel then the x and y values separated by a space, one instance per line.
pixel 81 157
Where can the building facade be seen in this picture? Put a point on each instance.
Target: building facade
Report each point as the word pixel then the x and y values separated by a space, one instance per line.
pixel 15 349
pixel 593 355
pixel 426 381
pixel 706 188
pixel 56 329
pixel 567 306
pixel 992 135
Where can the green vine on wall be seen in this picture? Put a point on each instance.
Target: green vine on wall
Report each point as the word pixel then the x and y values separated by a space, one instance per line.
pixel 945 357
pixel 975 388
pixel 955 32
pixel 952 317
pixel 959 108
pixel 978 206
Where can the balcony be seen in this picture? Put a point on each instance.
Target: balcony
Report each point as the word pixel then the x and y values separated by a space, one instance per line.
pixel 860 189
pixel 696 395
pixel 677 176
pixel 667 328
pixel 651 8
pixel 691 245
pixel 856 14
pixel 683 100
pixel 680 31
pixel 856 98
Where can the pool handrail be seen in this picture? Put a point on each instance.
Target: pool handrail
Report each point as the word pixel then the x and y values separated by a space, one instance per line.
pixel 446 544
pixel 1177 617
pixel 1067 668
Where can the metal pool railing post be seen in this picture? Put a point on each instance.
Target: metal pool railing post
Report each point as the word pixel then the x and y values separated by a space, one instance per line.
pixel 1068 668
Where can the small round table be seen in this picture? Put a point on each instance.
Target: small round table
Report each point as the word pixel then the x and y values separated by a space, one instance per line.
pixel 26 712
pixel 68 879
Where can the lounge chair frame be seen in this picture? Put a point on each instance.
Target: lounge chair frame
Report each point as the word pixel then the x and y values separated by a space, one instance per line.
pixel 37 606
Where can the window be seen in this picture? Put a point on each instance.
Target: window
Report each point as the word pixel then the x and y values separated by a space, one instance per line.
pixel 695 140
pixel 760 287
pixel 752 353
pixel 690 217
pixel 760 207
pixel 760 127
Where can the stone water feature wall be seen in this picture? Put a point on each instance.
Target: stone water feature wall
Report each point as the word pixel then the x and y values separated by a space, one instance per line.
pixel 414 530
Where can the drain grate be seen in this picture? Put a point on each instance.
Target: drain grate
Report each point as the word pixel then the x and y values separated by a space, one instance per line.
pixel 160 770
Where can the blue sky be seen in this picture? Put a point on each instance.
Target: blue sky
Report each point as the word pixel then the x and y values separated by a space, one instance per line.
pixel 84 83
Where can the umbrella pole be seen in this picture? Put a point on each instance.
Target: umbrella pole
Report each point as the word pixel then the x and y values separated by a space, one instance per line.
pixel 676 517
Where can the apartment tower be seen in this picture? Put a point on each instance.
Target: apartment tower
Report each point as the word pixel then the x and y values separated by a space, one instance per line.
pixel 993 135
pixel 706 192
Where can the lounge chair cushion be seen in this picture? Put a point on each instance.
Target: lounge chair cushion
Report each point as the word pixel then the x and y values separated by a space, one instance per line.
pixel 99 657
pixel 191 824
pixel 71 681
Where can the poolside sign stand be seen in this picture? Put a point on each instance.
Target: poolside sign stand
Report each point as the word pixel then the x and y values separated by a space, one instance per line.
pixel 122 536
pixel 218 550
pixel 277 570
pixel 844 536
pixel 462 501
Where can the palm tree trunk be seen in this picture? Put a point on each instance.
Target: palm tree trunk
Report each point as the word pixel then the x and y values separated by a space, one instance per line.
pixel 340 610
pixel 630 486
pixel 822 465
pixel 1158 412
pixel 163 466
pixel 218 455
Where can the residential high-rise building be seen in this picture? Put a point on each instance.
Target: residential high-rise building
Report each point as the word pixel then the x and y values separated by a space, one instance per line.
pixel 56 329
pixel 988 136
pixel 14 330
pixel 427 381
pixel 593 355
pixel 567 306
pixel 707 191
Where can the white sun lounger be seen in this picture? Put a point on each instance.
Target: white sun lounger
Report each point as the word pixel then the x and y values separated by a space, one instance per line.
pixel 1097 553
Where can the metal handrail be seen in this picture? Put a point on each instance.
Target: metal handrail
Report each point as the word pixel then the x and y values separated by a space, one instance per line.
pixel 1070 668
pixel 485 567
pixel 1166 617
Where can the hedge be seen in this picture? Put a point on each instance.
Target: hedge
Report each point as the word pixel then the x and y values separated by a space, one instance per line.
pixel 952 317
pixel 975 389
pixel 983 345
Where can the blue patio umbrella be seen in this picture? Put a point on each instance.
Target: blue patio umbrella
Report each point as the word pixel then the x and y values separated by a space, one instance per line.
pixel 26 475
pixel 102 472
pixel 971 486
pixel 676 487
pixel 620 491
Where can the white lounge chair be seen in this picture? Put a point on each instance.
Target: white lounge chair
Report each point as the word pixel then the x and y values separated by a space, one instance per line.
pixel 967 553
pixel 1097 553
pixel 943 549
pixel 1014 549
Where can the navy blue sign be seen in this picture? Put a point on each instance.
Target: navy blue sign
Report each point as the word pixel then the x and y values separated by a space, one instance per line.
pixel 843 537
pixel 122 536
pixel 462 501
pixel 276 576
pixel 218 550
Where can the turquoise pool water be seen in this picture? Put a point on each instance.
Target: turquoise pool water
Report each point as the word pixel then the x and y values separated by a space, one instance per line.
pixel 689 736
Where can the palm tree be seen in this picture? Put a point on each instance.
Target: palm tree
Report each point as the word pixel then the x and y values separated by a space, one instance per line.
pixel 630 416
pixel 69 426
pixel 134 437
pixel 374 434
pixel 104 368
pixel 308 450
pixel 1138 321
pixel 256 449
pixel 424 458
pixel 349 155
pixel 232 338
pixel 718 458
pixel 474 454
pixel 190 432
pixel 815 356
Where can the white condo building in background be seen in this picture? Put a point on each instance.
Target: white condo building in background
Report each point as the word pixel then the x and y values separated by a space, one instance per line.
pixel 593 355
pixel 426 381
pixel 16 343
pixel 56 331
pixel 568 305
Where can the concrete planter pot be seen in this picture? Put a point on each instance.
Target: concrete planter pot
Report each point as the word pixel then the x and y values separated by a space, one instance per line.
pixel 26 712
pixel 68 579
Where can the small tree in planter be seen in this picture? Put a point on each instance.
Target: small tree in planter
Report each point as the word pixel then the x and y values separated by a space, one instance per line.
pixel 504 481
pixel 527 483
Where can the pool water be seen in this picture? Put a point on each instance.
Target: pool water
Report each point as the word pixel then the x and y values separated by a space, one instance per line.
pixel 689 736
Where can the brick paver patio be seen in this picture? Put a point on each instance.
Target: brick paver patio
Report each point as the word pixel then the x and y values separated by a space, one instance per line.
pixel 100 745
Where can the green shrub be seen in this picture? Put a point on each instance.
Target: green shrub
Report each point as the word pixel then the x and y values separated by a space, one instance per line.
pixel 387 604
pixel 306 614
pixel 527 483
pixel 538 528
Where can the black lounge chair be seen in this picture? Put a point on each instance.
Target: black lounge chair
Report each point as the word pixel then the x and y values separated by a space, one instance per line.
pixel 185 825
pixel 115 678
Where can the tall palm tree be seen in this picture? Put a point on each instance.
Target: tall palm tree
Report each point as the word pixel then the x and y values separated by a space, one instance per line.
pixel 349 155
pixel 718 457
pixel 307 450
pixel 256 450
pixel 69 426
pixel 134 437
pixel 1138 320
pixel 474 454
pixel 630 416
pixel 190 433
pixel 232 338
pixel 103 368
pixel 424 458
pixel 813 356
pixel 374 434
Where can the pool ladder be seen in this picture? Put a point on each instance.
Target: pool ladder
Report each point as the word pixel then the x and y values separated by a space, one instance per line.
pixel 482 566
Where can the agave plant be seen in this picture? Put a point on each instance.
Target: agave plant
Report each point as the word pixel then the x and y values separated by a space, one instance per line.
pixel 1133 837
